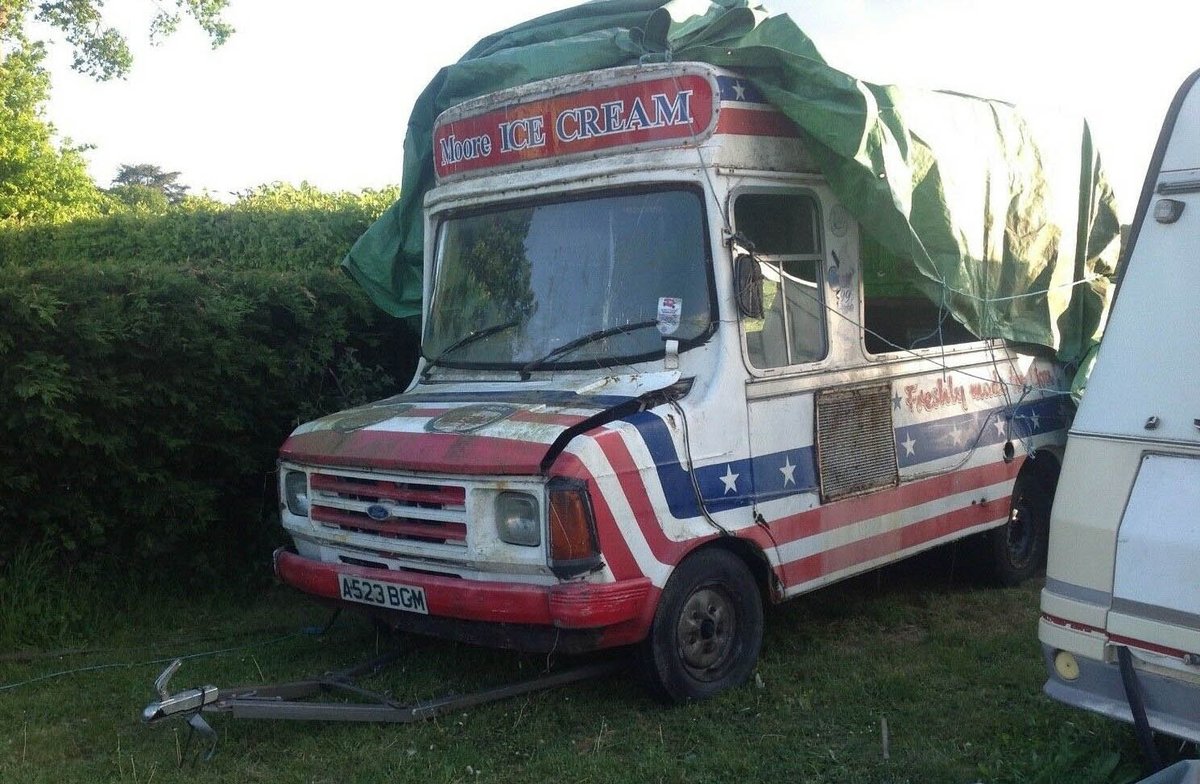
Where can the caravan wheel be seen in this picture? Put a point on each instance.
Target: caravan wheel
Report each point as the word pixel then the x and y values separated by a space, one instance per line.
pixel 707 631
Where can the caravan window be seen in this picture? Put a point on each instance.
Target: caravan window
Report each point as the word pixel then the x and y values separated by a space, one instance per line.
pixel 785 233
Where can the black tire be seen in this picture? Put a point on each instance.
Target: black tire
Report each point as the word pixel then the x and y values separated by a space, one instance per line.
pixel 707 630
pixel 1017 549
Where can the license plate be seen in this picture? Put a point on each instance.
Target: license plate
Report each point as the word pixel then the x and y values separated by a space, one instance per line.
pixel 395 596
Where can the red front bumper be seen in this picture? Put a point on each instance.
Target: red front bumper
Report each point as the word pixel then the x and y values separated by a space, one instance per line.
pixel 622 610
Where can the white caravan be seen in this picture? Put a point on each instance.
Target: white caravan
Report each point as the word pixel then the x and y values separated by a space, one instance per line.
pixel 1120 623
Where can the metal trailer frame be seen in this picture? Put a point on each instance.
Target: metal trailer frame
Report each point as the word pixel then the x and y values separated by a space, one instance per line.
pixel 289 700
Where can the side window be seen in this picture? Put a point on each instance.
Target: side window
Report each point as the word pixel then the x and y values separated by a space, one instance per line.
pixel 897 314
pixel 785 232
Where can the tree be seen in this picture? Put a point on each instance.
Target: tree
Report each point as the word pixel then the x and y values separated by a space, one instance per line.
pixel 102 51
pixel 38 180
pixel 147 185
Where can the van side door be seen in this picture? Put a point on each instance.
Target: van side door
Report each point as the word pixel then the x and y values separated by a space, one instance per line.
pixel 786 347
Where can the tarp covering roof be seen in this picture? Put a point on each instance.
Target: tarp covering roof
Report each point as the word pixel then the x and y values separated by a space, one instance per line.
pixel 1015 239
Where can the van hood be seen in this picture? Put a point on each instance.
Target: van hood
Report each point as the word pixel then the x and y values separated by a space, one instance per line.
pixel 508 432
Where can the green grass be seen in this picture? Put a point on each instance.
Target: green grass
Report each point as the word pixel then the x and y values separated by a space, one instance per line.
pixel 955 670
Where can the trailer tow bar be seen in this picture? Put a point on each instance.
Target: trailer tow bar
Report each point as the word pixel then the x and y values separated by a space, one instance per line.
pixel 288 701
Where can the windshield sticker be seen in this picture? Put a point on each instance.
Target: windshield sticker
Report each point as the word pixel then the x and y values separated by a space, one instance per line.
pixel 669 309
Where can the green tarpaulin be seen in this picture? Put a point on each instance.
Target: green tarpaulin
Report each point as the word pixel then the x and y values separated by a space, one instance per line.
pixel 1015 238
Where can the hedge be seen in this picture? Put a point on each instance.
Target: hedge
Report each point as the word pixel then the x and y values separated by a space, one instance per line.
pixel 141 407
pixel 143 399
pixel 271 227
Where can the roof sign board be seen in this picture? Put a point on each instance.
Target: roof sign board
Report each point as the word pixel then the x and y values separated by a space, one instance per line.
pixel 648 112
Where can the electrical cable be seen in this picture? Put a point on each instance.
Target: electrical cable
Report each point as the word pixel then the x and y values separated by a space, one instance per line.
pixel 687 449
pixel 26 656
pixel 1010 408
pixel 941 365
pixel 946 287
pixel 167 660
pixel 1038 293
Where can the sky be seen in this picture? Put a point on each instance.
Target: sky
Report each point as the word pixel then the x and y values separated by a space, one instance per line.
pixel 315 91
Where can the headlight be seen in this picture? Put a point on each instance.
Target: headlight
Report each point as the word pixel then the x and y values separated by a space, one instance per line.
pixel 517 519
pixel 295 492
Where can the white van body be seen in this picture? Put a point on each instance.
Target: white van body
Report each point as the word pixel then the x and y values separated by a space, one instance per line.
pixel 631 458
pixel 1124 554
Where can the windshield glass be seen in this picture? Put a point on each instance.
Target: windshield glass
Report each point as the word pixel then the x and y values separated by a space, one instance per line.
pixel 515 284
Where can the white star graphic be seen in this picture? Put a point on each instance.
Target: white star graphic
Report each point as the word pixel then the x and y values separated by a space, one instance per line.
pixel 730 480
pixel 957 436
pixel 999 425
pixel 1037 421
pixel 788 471
pixel 908 445
pixel 739 92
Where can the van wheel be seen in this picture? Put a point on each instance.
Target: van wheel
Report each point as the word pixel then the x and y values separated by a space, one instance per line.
pixel 707 631
pixel 1018 548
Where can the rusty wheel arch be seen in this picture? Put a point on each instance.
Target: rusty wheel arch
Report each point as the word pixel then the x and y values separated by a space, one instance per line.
pixel 769 588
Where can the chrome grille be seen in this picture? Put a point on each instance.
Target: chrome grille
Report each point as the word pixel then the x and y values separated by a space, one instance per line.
pixel 398 510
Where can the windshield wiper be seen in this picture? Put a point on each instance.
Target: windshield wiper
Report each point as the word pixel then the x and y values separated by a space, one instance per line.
pixel 579 342
pixel 467 339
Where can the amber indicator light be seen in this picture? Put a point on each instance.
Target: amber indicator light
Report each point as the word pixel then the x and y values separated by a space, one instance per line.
pixel 570 526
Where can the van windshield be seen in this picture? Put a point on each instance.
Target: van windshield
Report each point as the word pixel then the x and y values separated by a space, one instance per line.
pixel 570 283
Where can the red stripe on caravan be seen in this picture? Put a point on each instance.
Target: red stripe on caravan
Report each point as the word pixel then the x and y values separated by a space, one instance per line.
pixel 1153 647
pixel 1118 639
pixel 1072 625
pixel 839 514
pixel 836 559
pixel 755 122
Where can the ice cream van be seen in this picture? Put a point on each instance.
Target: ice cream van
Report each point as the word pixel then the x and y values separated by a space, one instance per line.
pixel 1120 624
pixel 661 386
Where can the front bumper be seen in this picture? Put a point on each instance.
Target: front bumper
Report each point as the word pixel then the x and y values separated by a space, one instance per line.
pixel 573 617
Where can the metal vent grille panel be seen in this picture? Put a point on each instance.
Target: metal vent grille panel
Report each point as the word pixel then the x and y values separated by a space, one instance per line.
pixel 856 449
